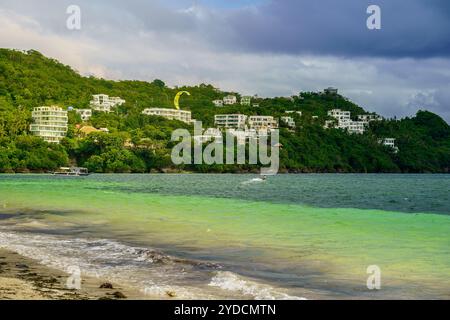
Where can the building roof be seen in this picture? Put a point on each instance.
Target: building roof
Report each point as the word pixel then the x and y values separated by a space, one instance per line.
pixel 88 130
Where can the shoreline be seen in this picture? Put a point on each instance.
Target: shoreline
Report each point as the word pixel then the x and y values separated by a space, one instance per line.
pixel 233 173
pixel 22 278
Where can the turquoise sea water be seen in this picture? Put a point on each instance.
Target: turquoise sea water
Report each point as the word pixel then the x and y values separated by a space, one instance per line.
pixel 235 236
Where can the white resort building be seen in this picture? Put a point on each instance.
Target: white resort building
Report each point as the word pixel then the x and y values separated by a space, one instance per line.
pixel 104 103
pixel 262 123
pixel 389 142
pixel 345 122
pixel 297 112
pixel 49 123
pixel 229 100
pixel 246 101
pixel 209 135
pixel 171 114
pixel 85 114
pixel 226 121
pixel 218 103
pixel 289 121
pixel 367 118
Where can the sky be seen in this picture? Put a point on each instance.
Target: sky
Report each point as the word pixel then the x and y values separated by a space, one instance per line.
pixel 265 47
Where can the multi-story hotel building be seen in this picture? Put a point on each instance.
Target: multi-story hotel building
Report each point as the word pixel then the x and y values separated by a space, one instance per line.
pixel 228 100
pixel 171 114
pixel 49 123
pixel 85 114
pixel 289 121
pixel 236 121
pixel 369 117
pixel 262 122
pixel 345 122
pixel 104 103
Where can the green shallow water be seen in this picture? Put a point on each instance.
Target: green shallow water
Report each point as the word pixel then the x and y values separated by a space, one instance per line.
pixel 312 251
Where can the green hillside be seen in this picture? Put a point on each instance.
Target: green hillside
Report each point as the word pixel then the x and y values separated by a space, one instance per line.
pixel 29 80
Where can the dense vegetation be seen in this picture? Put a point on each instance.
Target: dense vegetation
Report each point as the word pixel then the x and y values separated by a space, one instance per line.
pixel 138 143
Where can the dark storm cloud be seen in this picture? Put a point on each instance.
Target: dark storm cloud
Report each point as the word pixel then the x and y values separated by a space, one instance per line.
pixel 410 28
pixel 272 48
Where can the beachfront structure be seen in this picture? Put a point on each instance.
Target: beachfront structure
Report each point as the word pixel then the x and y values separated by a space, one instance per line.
pixel 289 121
pixel 226 121
pixel 49 123
pixel 262 122
pixel 331 90
pixel 85 114
pixel 104 103
pixel 171 114
pixel 246 101
pixel 218 103
pixel 229 100
pixel 389 142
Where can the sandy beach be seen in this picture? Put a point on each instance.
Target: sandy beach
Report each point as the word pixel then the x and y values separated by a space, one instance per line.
pixel 25 279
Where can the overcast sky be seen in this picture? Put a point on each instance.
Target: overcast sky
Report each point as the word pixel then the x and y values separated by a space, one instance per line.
pixel 265 47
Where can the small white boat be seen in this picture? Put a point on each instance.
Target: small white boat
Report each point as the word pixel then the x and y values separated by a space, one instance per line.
pixel 72 171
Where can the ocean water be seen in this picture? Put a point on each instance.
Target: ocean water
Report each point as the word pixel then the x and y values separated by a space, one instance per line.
pixel 236 236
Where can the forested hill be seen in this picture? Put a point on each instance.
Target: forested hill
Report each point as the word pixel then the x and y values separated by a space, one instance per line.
pixel 29 79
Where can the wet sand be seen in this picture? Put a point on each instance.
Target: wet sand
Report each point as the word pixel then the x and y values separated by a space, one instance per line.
pixel 25 279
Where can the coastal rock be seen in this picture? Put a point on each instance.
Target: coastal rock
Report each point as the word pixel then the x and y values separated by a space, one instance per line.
pixel 119 295
pixel 106 285
pixel 171 294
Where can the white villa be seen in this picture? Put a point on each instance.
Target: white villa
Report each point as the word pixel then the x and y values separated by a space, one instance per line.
pixel 297 112
pixel 369 117
pixel 389 142
pixel 218 103
pixel 246 100
pixel 345 122
pixel 357 127
pixel 85 114
pixel 340 115
pixel 104 103
pixel 289 121
pixel 229 100
pixel 49 123
pixel 171 114
pixel 236 121
pixel 262 122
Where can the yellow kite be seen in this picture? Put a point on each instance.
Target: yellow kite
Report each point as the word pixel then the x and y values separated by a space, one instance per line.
pixel 176 101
